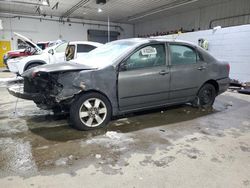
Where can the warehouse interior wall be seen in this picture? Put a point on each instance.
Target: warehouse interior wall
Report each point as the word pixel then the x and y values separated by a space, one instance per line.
pixel 229 44
pixel 50 30
pixel 198 18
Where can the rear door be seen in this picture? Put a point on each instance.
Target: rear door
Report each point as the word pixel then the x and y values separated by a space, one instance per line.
pixel 188 72
pixel 144 78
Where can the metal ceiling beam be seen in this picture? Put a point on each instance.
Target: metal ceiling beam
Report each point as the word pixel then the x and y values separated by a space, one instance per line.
pixel 55 19
pixel 74 8
pixel 169 6
pixel 22 2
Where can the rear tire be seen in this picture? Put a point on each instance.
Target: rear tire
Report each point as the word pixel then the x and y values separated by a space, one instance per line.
pixel 205 97
pixel 90 111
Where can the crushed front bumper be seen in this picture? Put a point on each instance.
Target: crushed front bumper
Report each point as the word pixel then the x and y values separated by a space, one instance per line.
pixel 17 90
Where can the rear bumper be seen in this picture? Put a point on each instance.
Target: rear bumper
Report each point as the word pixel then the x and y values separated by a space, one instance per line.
pixel 223 85
pixel 17 91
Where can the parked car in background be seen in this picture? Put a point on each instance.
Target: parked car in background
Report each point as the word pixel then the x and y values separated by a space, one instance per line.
pixel 78 49
pixel 48 56
pixel 15 53
pixel 126 76
pixel 30 49
pixel 51 55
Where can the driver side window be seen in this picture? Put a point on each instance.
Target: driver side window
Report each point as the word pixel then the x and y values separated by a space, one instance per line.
pixel 61 48
pixel 149 56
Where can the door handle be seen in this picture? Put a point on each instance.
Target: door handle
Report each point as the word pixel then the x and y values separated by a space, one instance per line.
pixel 163 72
pixel 202 68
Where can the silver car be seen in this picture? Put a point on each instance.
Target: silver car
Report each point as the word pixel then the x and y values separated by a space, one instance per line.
pixel 126 76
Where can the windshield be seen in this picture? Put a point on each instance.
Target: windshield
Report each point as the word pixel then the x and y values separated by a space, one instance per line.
pixel 107 54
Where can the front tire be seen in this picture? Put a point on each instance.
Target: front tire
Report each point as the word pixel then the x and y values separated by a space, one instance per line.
pixel 206 96
pixel 90 111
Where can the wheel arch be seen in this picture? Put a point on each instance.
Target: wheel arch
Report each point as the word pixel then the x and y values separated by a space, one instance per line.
pixel 214 83
pixel 40 62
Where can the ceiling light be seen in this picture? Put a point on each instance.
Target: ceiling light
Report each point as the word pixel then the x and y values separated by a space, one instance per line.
pixel 45 2
pixel 99 10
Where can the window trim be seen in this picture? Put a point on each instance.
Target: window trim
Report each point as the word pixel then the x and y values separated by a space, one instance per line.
pixel 185 45
pixel 141 47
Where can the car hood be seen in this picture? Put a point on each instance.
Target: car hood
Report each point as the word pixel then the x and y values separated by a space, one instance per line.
pixel 58 67
pixel 27 41
pixel 16 51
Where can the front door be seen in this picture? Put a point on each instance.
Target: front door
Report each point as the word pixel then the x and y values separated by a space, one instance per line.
pixel 59 54
pixel 144 78
pixel 188 72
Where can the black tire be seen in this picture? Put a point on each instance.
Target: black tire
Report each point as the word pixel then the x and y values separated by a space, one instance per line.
pixel 32 66
pixel 205 97
pixel 81 123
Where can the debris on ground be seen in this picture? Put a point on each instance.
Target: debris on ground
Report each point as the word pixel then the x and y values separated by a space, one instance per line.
pixel 113 135
pixel 244 91
pixel 237 86
pixel 98 156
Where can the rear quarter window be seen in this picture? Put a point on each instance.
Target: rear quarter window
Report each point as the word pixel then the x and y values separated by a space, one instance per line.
pixel 84 48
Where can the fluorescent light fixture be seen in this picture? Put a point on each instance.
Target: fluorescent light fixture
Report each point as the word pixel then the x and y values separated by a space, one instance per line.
pixel 217 28
pixel 45 2
pixel 37 3
pixel 163 8
pixel 99 10
pixel 1 25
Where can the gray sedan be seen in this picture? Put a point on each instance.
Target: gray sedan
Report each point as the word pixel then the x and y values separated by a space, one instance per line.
pixel 126 76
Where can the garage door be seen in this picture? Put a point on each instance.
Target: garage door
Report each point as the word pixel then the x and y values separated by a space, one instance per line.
pixel 102 36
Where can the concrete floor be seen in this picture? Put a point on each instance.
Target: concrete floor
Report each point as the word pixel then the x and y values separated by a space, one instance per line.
pixel 173 147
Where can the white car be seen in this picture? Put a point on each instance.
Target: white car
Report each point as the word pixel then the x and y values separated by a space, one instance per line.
pixel 78 49
pixel 54 54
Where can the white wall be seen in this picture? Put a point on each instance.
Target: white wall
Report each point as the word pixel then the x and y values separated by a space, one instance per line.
pixel 48 30
pixel 198 18
pixel 231 44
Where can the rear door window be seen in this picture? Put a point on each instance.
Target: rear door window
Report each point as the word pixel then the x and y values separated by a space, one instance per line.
pixel 84 48
pixel 61 48
pixel 181 54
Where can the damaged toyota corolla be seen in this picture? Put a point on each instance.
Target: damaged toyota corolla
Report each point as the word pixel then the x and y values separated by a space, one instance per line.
pixel 126 76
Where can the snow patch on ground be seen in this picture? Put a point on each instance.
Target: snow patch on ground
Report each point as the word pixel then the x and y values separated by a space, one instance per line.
pixel 111 138
pixel 10 79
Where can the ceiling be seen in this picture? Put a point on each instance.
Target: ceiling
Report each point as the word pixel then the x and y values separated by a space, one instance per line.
pixel 128 11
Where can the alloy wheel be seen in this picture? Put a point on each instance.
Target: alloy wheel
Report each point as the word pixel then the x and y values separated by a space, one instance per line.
pixel 93 112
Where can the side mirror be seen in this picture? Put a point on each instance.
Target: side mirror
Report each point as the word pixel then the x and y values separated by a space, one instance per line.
pixel 51 51
pixel 123 67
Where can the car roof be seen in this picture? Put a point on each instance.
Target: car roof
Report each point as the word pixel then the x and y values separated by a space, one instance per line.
pixel 97 44
pixel 157 39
